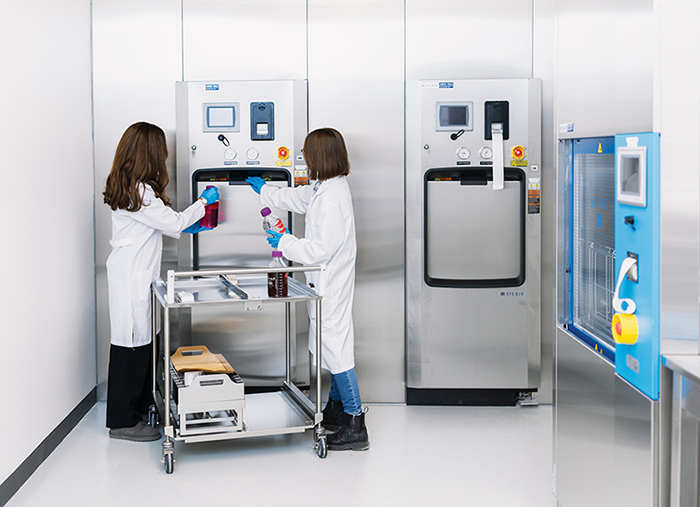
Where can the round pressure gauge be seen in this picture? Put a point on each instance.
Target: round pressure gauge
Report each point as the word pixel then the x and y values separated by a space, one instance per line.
pixel 486 152
pixel 230 154
pixel 463 153
pixel 252 154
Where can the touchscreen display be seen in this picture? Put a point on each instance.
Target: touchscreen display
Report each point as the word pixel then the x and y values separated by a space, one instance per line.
pixel 453 116
pixel 220 116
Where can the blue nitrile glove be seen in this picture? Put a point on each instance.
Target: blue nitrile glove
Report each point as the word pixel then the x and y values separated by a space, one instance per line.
pixel 274 238
pixel 256 182
pixel 196 227
pixel 211 195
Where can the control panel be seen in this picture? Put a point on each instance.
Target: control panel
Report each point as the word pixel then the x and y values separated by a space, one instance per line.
pixel 636 302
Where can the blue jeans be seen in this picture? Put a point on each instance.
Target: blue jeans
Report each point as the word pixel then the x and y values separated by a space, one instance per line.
pixel 344 388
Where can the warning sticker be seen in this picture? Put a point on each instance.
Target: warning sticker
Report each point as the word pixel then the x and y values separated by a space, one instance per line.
pixel 533 196
pixel 533 201
pixel 518 163
pixel 300 175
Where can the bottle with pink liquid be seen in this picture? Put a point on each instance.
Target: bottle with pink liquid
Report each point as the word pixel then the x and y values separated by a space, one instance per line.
pixel 211 214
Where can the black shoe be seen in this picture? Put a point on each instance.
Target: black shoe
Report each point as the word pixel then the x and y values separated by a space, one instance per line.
pixel 352 436
pixel 142 432
pixel 333 415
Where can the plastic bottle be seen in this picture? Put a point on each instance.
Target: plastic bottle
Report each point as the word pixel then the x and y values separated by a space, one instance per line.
pixel 211 214
pixel 272 222
pixel 277 282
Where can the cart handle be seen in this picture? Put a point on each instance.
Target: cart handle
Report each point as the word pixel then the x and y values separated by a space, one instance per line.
pixel 172 274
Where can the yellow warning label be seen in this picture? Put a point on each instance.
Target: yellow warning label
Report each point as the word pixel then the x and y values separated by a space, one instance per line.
pixel 518 163
pixel 283 163
pixel 600 147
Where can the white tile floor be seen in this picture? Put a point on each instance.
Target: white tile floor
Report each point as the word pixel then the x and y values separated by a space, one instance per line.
pixel 423 456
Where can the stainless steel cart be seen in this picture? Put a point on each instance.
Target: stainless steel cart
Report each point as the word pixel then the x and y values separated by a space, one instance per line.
pixel 287 410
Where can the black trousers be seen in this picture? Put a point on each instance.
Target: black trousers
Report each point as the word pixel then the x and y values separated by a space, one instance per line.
pixel 129 385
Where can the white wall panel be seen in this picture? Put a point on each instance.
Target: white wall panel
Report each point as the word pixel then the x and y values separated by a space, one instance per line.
pixel 239 39
pixel 47 313
pixel 137 60
pixel 468 39
pixel 356 86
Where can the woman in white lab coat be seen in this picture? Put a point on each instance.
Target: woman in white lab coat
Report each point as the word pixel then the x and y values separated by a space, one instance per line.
pixel 141 214
pixel 329 240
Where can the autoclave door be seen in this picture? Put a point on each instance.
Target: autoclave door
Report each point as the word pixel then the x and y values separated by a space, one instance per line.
pixel 252 341
pixel 474 253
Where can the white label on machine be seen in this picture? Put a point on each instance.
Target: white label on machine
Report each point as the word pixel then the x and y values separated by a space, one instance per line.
pixel 566 127
pixel 632 364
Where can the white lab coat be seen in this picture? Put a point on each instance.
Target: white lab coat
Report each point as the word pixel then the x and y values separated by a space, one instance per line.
pixel 137 244
pixel 330 240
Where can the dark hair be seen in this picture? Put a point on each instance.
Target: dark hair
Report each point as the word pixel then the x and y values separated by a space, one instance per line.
pixel 325 154
pixel 140 158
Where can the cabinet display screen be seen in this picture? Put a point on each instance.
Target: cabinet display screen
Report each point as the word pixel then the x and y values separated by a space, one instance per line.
pixel 219 116
pixel 453 116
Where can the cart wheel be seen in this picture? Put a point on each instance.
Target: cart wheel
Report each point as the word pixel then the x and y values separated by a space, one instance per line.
pixel 322 447
pixel 153 417
pixel 169 462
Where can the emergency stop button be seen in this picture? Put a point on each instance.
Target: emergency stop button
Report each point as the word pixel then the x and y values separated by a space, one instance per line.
pixel 625 328
pixel 518 152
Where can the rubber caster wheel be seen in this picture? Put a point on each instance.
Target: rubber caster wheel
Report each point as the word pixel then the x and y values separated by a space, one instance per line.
pixel 322 447
pixel 153 417
pixel 169 463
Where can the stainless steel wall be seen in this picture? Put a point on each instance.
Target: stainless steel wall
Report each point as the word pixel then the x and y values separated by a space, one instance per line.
pixel 605 67
pixel 677 117
pixel 356 56
pixel 356 85
pixel 606 433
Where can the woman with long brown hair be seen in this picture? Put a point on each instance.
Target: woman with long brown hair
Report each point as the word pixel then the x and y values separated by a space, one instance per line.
pixel 141 214
pixel 329 240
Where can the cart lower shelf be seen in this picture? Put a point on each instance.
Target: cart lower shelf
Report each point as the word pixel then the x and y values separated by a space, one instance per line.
pixel 265 414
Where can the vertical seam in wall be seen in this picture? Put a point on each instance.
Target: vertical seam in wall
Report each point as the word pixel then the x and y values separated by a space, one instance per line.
pixel 405 246
pixel 307 41
pixel 308 105
pixel 182 40
pixel 532 42
pixel 94 181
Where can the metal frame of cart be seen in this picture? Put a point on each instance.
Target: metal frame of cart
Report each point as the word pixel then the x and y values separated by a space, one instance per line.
pixel 290 409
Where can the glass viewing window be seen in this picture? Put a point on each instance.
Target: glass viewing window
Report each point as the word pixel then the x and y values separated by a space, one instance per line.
pixel 593 238
pixel 632 175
